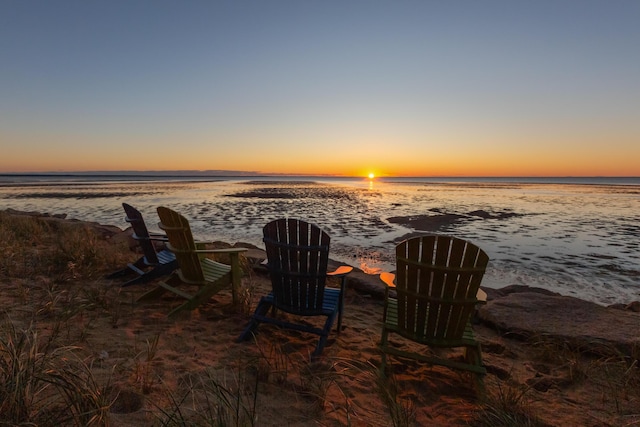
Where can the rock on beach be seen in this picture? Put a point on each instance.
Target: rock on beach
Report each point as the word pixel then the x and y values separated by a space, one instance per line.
pixel 586 326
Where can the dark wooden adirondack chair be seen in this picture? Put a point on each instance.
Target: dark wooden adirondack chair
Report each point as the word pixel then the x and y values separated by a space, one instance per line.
pixel 152 264
pixel 437 284
pixel 193 268
pixel 298 256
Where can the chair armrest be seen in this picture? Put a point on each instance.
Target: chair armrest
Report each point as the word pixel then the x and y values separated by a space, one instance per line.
pixel 158 237
pixel 341 271
pixel 221 251
pixel 481 296
pixel 388 279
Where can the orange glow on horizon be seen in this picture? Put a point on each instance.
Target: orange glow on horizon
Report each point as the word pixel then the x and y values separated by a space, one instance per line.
pixel 517 160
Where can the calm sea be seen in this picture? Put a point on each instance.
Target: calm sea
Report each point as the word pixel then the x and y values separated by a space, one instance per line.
pixel 576 236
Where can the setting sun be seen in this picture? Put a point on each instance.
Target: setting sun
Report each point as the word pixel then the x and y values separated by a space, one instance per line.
pixel 371 175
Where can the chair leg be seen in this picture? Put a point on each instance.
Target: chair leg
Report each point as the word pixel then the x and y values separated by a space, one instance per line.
pixel 130 268
pixel 159 290
pixel 318 351
pixel 248 330
pixel 200 297
pixel 323 338
pixel 140 279
pixel 236 274
pixel 473 356
pixel 341 302
pixel 383 346
pixel 325 334
pixel 158 271
pixel 118 273
pixel 261 310
pixel 152 294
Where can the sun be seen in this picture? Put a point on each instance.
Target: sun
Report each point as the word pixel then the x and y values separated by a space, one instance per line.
pixel 372 175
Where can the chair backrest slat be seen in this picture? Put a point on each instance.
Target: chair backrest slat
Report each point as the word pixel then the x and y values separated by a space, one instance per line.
pixel 140 233
pixel 436 283
pixel 181 243
pixel 298 254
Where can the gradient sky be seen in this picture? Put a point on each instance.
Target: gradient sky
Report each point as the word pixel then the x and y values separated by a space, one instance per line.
pixel 426 88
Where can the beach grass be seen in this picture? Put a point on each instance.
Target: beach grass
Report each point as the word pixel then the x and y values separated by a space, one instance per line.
pixel 42 383
pixel 35 247
pixel 508 405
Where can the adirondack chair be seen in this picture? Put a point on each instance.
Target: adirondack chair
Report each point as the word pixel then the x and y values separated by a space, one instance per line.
pixel 297 260
pixel 193 268
pixel 436 292
pixel 152 264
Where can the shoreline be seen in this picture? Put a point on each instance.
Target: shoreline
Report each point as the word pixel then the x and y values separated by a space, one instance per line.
pixel 362 282
pixel 369 282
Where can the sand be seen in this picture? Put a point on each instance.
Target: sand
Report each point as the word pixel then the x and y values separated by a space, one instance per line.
pixel 154 365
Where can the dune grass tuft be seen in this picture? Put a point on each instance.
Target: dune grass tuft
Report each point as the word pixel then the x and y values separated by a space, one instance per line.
pixel 32 247
pixel 43 384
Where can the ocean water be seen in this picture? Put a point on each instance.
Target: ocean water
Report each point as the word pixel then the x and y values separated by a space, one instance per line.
pixel 575 236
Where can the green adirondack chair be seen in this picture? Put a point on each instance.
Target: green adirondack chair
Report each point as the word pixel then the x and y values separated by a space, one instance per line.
pixel 432 299
pixel 209 276
pixel 153 263
pixel 297 260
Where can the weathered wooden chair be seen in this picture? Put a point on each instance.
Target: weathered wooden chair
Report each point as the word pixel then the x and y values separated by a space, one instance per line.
pixel 297 260
pixel 193 267
pixel 437 284
pixel 152 264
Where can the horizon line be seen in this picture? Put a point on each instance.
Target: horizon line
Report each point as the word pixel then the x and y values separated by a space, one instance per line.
pixel 234 173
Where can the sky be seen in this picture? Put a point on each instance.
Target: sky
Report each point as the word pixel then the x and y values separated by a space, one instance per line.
pixel 395 88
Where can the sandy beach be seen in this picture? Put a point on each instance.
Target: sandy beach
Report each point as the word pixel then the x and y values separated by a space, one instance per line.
pixel 149 370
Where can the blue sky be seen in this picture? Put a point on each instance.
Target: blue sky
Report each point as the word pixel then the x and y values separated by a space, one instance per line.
pixel 345 87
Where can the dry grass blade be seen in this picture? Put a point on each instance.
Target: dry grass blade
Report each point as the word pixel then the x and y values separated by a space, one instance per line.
pixel 46 385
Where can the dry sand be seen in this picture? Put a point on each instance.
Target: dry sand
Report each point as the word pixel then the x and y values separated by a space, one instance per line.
pixel 152 362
